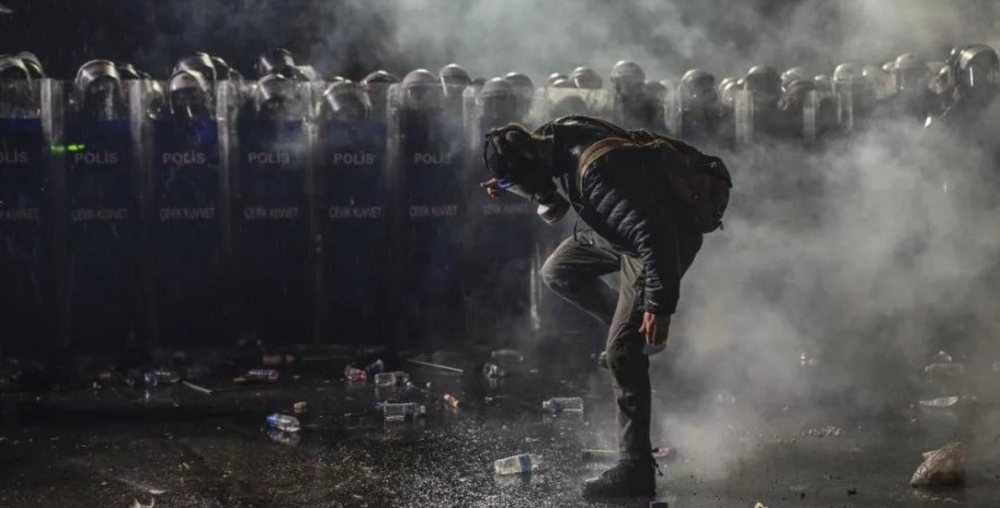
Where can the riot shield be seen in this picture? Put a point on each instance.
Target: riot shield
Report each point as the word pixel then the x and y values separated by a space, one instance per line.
pixel 551 103
pixel 272 176
pixel 743 119
pixel 378 94
pixel 102 220
pixel 673 111
pixel 31 153
pixel 184 200
pixel 426 150
pixel 498 243
pixel 811 118
pixel 845 107
pixel 639 112
pixel 353 220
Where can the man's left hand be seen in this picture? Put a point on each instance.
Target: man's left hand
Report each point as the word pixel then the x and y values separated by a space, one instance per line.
pixel 492 187
pixel 655 328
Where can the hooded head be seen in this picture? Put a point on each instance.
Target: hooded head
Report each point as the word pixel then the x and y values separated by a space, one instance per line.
pixel 521 162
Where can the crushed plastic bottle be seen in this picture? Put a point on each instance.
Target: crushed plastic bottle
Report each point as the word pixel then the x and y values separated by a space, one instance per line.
pixel 402 411
pixel 154 377
pixel 945 370
pixel 518 464
pixel 494 371
pixel 507 355
pixel 561 404
pixel 354 374
pixel 944 466
pixel 397 378
pixel 284 423
pixel 375 367
pixel 951 402
pixel 451 401
pixel 262 375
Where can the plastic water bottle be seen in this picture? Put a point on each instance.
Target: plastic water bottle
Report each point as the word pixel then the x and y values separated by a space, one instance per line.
pixel 507 355
pixel 397 378
pixel 283 423
pixel 354 374
pixel 266 375
pixel 518 464
pixel 560 404
pixel 493 371
pixel 157 376
pixel 402 411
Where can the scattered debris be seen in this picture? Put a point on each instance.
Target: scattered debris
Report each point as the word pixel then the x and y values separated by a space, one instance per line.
pixel 300 407
pixel 283 437
pixel 451 401
pixel 436 366
pixel 945 370
pixel 758 504
pixel 157 376
pixel 397 378
pixel 402 411
pixel 493 371
pixel 829 430
pixel 518 464
pixel 509 355
pixel 354 374
pixel 375 367
pixel 258 376
pixel 198 388
pixel 951 402
pixel 284 423
pixel 942 467
pixel 135 502
pixel 561 404
pixel 853 491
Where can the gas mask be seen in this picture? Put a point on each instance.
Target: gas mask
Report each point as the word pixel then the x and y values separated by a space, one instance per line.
pixel 519 172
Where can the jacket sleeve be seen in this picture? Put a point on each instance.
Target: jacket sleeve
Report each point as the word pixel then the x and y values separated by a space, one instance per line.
pixel 628 208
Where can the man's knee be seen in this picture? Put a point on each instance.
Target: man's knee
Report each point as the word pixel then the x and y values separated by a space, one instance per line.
pixel 556 276
pixel 626 355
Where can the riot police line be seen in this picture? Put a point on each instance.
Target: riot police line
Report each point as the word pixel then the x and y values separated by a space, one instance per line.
pixel 207 207
pixel 191 212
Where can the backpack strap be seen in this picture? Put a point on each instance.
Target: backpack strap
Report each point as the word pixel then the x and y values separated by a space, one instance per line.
pixel 594 152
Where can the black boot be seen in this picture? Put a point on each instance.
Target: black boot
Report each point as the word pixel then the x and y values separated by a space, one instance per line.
pixel 628 478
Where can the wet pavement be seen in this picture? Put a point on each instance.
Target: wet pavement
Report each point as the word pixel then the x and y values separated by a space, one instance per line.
pixel 115 445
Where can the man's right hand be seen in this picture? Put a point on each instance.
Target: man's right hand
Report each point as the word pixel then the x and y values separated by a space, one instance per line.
pixel 492 187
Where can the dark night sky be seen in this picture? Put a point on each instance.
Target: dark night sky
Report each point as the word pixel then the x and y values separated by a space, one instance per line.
pixel 352 37
pixel 153 33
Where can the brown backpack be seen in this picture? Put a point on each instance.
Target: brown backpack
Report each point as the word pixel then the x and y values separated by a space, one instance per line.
pixel 699 181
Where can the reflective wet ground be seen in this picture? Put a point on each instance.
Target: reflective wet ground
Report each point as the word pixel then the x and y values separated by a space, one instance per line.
pixel 116 445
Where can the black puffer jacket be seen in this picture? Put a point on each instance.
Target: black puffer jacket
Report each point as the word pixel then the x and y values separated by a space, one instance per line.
pixel 624 198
